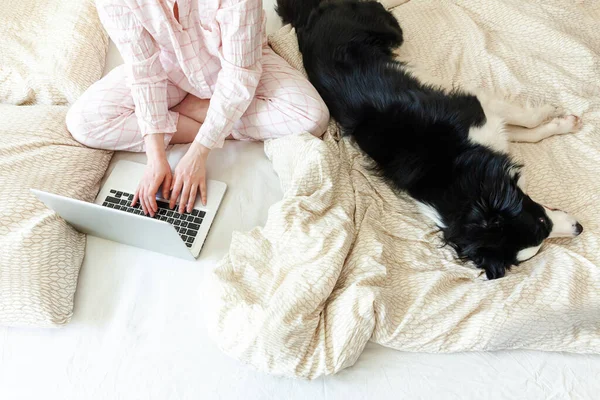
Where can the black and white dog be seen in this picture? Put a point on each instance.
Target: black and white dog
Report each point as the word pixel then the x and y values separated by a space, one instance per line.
pixel 446 149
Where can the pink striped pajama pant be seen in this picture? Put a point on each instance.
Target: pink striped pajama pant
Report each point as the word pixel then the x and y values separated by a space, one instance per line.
pixel 285 103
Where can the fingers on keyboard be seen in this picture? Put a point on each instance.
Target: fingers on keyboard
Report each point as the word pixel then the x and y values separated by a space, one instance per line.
pixel 186 224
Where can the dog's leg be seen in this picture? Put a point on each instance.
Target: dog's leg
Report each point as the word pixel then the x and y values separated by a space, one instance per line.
pixel 528 117
pixel 557 126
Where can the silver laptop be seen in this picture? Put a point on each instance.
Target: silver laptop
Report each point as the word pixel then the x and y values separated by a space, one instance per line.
pixel 112 217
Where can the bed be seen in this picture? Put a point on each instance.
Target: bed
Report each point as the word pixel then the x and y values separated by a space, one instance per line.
pixel 138 331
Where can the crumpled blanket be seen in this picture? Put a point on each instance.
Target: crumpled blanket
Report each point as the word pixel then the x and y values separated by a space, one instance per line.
pixel 343 259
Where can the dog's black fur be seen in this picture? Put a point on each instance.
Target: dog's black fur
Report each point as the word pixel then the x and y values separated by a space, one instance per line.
pixel 418 135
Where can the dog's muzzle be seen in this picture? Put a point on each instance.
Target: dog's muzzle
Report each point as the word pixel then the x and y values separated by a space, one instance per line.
pixel 563 224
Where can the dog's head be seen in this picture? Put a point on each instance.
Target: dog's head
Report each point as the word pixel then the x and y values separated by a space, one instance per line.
pixel 499 225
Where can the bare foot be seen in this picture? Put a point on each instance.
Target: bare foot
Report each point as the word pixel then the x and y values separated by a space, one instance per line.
pixel 193 107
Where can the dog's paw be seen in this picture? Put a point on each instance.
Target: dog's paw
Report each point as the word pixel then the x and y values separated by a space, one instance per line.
pixel 534 116
pixel 552 112
pixel 545 113
pixel 566 124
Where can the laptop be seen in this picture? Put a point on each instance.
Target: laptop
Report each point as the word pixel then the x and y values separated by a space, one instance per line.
pixel 112 217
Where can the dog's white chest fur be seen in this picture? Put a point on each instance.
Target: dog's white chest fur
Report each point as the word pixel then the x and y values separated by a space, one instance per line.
pixel 492 134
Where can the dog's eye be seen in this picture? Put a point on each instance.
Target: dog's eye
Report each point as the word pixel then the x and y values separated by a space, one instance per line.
pixel 542 220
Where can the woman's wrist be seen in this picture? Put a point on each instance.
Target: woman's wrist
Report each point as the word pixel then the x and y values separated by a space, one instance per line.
pixel 200 149
pixel 155 146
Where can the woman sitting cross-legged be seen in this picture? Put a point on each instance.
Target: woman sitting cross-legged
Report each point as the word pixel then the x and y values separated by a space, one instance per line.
pixel 195 71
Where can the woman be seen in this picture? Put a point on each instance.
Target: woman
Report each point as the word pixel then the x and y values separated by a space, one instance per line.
pixel 195 71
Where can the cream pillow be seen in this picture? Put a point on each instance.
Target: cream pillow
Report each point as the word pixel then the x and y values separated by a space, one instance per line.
pixel 50 51
pixel 389 4
pixel 40 254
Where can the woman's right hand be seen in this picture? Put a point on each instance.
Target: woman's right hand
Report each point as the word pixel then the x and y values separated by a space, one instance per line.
pixel 158 171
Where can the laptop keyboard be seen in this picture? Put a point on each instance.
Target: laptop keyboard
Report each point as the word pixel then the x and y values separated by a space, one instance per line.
pixel 187 225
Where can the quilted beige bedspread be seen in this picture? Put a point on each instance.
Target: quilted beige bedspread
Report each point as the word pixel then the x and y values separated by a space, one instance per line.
pixel 343 260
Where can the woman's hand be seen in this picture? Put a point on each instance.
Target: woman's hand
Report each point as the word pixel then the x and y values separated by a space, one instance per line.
pixel 189 178
pixel 157 172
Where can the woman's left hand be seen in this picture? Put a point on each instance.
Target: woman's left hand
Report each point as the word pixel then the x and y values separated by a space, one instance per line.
pixel 189 178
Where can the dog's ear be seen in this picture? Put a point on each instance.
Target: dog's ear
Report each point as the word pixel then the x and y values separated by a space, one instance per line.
pixel 483 215
pixel 494 268
pixel 495 221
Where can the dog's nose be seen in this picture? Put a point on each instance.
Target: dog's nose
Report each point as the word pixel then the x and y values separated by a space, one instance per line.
pixel 578 229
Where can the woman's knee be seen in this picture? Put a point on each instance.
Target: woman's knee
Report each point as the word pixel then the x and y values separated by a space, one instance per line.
pixel 101 111
pixel 76 123
pixel 317 117
pixel 90 128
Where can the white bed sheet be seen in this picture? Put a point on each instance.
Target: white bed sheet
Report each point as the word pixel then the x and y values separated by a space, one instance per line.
pixel 138 329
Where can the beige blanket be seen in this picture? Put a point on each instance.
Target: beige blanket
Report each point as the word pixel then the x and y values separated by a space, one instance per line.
pixel 343 260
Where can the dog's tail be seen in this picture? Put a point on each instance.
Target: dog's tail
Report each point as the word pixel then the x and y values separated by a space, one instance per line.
pixel 296 12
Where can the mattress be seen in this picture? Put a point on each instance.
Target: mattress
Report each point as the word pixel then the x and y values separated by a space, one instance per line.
pixel 138 331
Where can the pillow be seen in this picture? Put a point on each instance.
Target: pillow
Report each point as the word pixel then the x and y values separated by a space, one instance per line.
pixel 389 4
pixel 40 254
pixel 285 43
pixel 51 50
